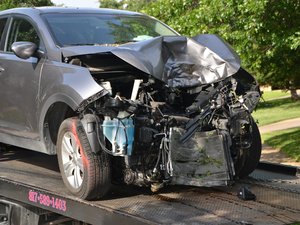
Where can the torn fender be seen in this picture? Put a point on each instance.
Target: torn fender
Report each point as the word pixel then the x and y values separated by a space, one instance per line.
pixel 70 84
pixel 176 60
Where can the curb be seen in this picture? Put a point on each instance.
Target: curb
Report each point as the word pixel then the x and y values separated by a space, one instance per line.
pixel 279 168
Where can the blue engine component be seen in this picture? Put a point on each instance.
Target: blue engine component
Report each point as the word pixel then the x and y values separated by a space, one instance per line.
pixel 120 133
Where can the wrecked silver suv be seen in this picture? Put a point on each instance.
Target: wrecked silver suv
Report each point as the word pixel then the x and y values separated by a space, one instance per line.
pixel 121 97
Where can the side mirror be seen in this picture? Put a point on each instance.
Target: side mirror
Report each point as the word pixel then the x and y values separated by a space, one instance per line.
pixel 24 50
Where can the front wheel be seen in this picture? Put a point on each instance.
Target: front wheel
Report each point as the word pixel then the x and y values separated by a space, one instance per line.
pixel 86 175
pixel 248 158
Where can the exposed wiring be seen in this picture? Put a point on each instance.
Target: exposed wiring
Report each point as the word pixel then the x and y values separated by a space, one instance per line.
pixel 149 95
pixel 164 155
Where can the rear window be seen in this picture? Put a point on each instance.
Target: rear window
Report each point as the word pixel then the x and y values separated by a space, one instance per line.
pixel 95 29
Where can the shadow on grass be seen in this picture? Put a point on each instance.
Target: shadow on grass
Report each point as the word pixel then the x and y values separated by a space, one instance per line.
pixel 278 103
pixel 287 141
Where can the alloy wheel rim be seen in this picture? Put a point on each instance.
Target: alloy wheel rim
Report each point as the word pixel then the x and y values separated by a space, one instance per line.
pixel 72 160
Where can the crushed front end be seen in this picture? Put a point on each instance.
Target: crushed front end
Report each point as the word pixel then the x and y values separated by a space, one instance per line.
pixel 187 122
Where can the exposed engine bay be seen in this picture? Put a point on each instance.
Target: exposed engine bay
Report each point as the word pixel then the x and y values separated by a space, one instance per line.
pixel 186 122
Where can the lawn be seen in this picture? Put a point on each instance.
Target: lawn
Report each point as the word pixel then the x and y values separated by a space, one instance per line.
pixel 287 141
pixel 271 111
pixel 270 95
pixel 274 109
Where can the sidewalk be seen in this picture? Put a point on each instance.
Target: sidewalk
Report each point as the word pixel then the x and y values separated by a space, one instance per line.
pixel 270 154
pixel 282 125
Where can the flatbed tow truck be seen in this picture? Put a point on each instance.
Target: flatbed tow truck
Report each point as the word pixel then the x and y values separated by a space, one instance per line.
pixel 32 192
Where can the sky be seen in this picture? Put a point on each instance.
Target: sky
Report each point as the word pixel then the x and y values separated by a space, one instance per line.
pixel 78 3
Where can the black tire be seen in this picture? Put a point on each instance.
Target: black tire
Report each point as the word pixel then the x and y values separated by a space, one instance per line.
pixel 248 158
pixel 86 175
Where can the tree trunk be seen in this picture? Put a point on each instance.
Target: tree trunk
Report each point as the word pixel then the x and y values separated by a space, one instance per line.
pixel 294 94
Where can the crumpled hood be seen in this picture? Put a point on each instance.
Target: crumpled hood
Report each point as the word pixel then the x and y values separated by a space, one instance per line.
pixel 178 61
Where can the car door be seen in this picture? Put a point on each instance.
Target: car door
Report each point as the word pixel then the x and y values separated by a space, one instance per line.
pixel 19 82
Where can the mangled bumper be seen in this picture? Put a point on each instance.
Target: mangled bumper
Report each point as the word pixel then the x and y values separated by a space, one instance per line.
pixel 201 161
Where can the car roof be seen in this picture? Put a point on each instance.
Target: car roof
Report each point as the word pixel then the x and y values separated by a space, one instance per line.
pixel 71 10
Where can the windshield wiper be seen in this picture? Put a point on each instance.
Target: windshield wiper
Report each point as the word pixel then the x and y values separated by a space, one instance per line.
pixel 104 44
pixel 79 44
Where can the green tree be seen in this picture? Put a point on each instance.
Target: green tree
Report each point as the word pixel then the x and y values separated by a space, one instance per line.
pixel 281 37
pixel 133 5
pixel 265 33
pixel 112 4
pixel 7 4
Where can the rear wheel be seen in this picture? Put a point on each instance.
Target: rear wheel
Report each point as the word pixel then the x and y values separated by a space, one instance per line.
pixel 248 158
pixel 86 175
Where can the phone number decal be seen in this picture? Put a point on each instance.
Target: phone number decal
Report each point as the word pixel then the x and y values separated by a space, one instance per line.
pixel 47 200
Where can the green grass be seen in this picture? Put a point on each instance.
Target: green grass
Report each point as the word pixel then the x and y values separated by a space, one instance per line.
pixel 276 110
pixel 288 141
pixel 275 94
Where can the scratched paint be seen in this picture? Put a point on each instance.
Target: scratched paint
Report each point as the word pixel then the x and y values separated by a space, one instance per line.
pixel 74 131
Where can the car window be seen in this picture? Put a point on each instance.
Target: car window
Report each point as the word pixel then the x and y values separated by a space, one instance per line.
pixel 22 30
pixel 2 26
pixel 95 29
